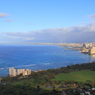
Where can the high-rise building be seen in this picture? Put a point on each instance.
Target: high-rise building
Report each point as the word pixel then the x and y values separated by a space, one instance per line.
pixel 27 72
pixel 20 71
pixel 12 72
pixel 92 51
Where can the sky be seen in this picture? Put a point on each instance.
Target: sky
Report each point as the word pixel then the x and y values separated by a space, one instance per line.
pixel 47 21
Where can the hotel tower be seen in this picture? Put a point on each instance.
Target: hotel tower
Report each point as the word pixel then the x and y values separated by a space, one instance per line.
pixel 12 72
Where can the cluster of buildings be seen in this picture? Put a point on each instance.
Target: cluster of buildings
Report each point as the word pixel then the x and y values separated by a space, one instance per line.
pixel 14 72
pixel 88 45
pixel 67 44
pixel 87 48
pixel 90 50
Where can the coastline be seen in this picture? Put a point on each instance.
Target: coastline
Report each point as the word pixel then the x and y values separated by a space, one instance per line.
pixel 46 57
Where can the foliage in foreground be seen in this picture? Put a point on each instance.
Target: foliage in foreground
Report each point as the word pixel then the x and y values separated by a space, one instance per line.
pixel 25 90
pixel 52 81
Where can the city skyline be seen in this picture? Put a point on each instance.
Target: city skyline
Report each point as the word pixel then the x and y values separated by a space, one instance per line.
pixel 47 21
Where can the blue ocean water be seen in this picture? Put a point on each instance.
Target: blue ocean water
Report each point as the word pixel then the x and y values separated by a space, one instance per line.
pixel 39 57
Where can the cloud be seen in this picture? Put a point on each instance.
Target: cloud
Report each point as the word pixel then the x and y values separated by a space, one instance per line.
pixel 8 20
pixel 92 17
pixel 83 33
pixel 3 15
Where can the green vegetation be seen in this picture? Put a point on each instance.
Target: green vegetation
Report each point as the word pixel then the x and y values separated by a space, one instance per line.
pixel 52 81
pixel 83 76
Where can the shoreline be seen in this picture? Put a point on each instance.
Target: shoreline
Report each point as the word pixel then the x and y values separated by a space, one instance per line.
pixel 60 54
pixel 53 68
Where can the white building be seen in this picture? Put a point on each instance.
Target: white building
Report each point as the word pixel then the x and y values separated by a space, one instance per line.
pixel 12 72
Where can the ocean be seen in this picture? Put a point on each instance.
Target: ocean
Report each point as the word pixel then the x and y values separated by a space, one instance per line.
pixel 37 57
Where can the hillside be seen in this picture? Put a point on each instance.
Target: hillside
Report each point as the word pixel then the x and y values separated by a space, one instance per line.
pixel 79 76
pixel 52 81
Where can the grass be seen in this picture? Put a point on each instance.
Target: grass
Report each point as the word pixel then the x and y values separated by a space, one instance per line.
pixel 79 76
pixel 83 75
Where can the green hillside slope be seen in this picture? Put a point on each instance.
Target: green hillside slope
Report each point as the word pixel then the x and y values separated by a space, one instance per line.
pixel 83 75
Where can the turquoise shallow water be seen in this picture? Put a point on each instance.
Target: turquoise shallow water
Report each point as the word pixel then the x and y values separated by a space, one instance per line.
pixel 39 57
